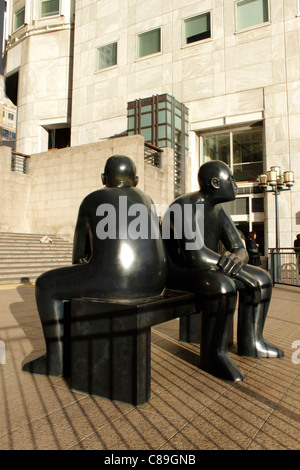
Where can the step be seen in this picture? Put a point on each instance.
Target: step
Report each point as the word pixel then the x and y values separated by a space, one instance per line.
pixel 35 241
pixel 5 236
pixel 23 256
pixel 30 235
pixel 21 241
pixel 34 263
pixel 14 278
pixel 32 266
pixel 35 249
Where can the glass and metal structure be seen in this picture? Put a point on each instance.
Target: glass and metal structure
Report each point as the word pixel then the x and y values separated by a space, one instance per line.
pixel 163 121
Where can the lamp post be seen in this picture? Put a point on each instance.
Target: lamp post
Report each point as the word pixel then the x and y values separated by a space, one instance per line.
pixel 278 183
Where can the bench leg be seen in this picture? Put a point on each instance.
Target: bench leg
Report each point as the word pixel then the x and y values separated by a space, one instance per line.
pixel 111 364
pixel 190 329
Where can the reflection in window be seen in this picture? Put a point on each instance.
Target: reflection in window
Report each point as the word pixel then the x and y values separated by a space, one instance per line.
pixel 19 18
pixel 242 151
pixel 247 156
pixel 163 121
pixel 251 13
pixel 197 28
pixel 49 7
pixel 107 56
pixel 217 147
pixel 149 43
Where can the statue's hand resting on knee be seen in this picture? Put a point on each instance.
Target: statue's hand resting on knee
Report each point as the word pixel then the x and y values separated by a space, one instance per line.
pixel 232 265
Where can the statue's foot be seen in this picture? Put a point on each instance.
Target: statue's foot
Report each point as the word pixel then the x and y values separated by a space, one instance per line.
pixel 264 349
pixel 221 365
pixel 261 348
pixel 42 365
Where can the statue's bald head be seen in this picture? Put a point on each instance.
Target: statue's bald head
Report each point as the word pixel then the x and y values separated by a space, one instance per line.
pixel 215 179
pixel 119 171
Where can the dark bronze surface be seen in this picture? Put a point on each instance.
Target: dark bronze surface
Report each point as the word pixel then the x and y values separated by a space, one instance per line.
pixel 117 269
pixel 216 278
pixel 110 344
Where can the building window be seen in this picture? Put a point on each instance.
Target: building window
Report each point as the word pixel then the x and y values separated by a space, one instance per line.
pixel 197 28
pixel 252 13
pixel 149 42
pixel 49 8
pixel 10 116
pixel 106 56
pixel 59 138
pixel 241 150
pixel 19 19
pixel 5 133
pixel 247 212
pixel 163 121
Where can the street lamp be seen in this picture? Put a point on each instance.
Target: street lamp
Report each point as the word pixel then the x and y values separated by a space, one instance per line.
pixel 278 183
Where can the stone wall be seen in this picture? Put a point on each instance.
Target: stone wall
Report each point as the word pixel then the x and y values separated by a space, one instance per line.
pixel 14 196
pixel 47 199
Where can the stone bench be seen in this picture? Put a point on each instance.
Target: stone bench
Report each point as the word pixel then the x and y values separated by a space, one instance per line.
pixel 109 343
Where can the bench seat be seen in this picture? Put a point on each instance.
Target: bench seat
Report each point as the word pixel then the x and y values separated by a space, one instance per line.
pixel 110 343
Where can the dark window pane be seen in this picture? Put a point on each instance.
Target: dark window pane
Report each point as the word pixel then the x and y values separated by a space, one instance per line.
pixel 258 204
pixel 197 28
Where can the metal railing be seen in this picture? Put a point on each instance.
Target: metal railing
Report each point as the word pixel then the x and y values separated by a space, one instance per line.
pixel 152 155
pixel 285 266
pixel 19 162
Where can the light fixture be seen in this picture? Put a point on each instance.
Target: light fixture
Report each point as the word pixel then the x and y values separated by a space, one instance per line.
pixel 278 183
pixel 276 180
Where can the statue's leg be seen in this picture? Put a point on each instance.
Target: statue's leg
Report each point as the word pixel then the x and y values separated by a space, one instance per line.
pixel 251 318
pixel 217 293
pixel 51 289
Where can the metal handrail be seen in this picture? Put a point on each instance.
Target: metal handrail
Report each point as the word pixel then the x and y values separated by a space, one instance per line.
pixel 19 161
pixel 285 266
pixel 152 154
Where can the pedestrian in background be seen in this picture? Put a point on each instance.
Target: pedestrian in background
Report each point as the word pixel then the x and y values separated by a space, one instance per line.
pixel 297 250
pixel 253 250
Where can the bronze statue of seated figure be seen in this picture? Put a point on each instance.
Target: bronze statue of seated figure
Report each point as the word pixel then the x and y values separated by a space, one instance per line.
pixel 107 262
pixel 123 282
pixel 215 279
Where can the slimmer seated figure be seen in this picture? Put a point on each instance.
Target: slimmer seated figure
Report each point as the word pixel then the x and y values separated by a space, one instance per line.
pixel 215 279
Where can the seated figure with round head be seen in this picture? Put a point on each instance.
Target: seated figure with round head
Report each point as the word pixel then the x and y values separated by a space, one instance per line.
pixel 215 279
pixel 107 262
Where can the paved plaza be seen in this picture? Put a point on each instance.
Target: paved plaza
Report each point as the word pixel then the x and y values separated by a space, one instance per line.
pixel 188 408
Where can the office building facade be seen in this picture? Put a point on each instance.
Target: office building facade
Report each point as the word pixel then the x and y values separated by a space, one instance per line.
pixel 82 71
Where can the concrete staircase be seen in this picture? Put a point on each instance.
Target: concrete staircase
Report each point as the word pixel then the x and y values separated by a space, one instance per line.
pixel 23 258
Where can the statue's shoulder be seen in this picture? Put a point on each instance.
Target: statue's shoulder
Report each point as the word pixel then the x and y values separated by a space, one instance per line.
pixel 188 198
pixel 144 197
pixel 95 198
